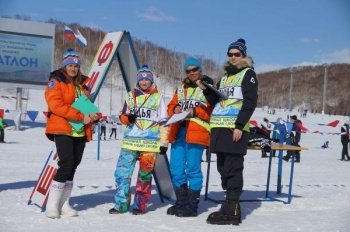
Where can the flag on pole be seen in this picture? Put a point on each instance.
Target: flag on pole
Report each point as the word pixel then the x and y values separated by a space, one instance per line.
pixel 68 33
pixel 81 39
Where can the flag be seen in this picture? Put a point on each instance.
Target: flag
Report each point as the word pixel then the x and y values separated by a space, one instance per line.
pixel 333 124
pixel 68 33
pixel 81 39
pixel 254 123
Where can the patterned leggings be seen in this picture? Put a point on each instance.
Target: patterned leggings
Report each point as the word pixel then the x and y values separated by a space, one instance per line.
pixel 124 170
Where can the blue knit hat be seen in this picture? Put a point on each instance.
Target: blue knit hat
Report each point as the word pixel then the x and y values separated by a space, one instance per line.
pixel 144 73
pixel 70 57
pixel 192 62
pixel 240 45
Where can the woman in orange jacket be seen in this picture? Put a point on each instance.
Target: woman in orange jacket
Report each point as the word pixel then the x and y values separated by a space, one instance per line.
pixel 188 140
pixel 64 87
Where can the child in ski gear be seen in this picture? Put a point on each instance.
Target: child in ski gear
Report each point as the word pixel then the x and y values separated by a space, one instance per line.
pixel 103 128
pixel 144 114
pixel 65 86
pixel 188 140
pixel 294 138
pixel 266 126
pixel 114 130
pixel 279 133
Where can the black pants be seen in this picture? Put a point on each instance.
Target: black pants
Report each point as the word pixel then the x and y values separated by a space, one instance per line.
pixel 230 166
pixel 103 131
pixel 2 135
pixel 345 151
pixel 114 131
pixel 70 152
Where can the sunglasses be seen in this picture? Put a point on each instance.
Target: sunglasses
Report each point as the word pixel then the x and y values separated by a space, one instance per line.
pixel 235 54
pixel 188 71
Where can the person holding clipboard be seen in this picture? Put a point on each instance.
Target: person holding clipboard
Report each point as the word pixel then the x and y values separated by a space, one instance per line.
pixel 229 124
pixel 188 140
pixel 68 127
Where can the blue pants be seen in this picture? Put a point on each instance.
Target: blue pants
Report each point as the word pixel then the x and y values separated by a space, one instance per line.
pixel 185 162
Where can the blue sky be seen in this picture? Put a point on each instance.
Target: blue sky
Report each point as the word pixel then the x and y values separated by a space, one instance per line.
pixel 278 33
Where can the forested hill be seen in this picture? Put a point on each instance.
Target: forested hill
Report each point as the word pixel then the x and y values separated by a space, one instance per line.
pixel 298 87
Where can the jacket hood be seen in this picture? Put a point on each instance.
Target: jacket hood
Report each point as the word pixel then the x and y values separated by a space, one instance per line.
pixel 246 62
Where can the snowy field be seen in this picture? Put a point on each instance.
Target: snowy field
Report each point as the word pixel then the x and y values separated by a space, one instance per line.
pixel 321 190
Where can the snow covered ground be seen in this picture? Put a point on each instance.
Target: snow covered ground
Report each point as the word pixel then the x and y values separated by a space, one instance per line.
pixel 321 190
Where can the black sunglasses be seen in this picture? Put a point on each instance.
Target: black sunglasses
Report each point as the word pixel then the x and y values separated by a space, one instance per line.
pixel 235 54
pixel 188 71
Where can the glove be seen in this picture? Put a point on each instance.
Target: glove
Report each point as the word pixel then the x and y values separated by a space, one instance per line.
pixel 132 118
pixel 207 80
pixel 163 150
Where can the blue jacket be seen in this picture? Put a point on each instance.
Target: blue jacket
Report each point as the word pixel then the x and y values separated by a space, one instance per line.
pixel 279 133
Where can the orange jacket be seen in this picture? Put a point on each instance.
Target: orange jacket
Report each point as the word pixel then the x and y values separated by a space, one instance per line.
pixel 195 133
pixel 60 94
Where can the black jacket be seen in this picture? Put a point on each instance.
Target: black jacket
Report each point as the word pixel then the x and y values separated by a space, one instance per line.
pixel 221 138
pixel 345 133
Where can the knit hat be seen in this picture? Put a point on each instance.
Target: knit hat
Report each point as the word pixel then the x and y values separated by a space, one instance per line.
pixel 294 117
pixel 240 45
pixel 192 62
pixel 144 73
pixel 70 57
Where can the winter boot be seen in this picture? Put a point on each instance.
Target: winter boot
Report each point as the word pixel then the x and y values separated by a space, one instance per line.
pixel 137 212
pixel 64 202
pixel 121 207
pixel 263 154
pixel 297 157
pixel 53 202
pixel 189 209
pixel 286 157
pixel 230 212
pixel 181 199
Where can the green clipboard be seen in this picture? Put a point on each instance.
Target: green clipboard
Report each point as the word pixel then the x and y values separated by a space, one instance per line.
pixel 84 105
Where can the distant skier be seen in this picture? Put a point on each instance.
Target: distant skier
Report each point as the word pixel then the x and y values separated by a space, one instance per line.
pixel 345 138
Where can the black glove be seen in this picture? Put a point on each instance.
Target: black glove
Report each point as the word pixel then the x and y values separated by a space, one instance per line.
pixel 207 79
pixel 132 118
pixel 163 150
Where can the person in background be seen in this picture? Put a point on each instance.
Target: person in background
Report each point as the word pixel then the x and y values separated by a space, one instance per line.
pixel 2 131
pixel 114 130
pixel 279 133
pixel 144 114
pixel 65 86
pixel 230 128
pixel 294 139
pixel 188 140
pixel 345 138
pixel 266 126
pixel 103 128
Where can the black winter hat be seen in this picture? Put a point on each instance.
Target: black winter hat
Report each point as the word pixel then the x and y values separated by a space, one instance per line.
pixel 240 45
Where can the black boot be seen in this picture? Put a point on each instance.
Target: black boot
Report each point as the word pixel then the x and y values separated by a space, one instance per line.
pixel 263 154
pixel 297 157
pixel 230 212
pixel 286 157
pixel 190 209
pixel 181 199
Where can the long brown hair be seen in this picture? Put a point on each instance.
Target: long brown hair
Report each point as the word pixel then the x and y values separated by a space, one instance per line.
pixel 77 80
